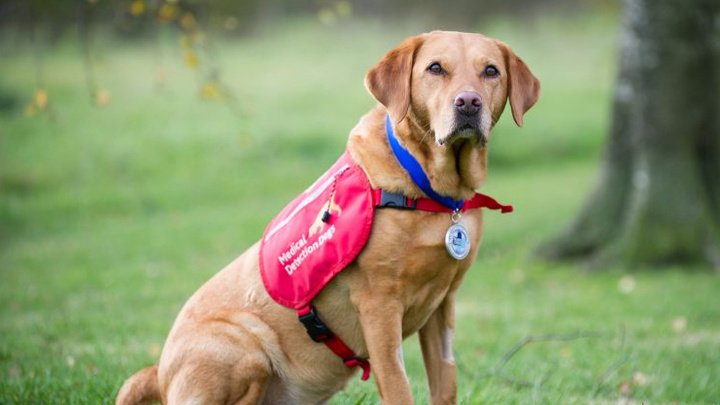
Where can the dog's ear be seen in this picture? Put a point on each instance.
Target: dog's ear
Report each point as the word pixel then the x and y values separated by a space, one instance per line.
pixel 523 86
pixel 389 80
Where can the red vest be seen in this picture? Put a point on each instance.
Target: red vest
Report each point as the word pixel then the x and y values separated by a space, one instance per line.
pixel 317 235
pixel 322 231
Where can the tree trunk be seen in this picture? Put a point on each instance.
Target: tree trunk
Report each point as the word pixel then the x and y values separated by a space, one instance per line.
pixel 658 197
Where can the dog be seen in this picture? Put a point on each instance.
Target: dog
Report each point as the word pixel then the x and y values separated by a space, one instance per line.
pixel 233 344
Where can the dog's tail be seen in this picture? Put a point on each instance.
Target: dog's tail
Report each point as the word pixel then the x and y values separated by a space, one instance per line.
pixel 141 388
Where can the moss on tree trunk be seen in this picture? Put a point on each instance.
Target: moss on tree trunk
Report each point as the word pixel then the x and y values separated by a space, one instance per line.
pixel 658 196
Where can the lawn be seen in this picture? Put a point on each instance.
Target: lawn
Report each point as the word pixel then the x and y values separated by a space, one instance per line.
pixel 110 217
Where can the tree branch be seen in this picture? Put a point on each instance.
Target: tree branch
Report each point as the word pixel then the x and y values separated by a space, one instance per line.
pixel 542 338
pixel 497 370
pixel 615 365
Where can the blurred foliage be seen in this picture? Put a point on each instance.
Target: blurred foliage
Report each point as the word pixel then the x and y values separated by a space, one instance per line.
pixel 42 23
pixel 245 15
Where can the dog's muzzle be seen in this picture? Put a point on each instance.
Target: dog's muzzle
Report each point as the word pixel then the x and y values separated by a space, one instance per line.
pixel 467 118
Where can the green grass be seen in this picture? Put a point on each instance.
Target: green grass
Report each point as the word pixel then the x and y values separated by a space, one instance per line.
pixel 110 218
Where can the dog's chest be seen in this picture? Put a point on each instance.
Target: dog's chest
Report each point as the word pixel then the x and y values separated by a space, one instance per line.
pixel 406 253
pixel 413 242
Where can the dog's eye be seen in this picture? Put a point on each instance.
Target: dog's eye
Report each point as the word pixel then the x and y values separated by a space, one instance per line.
pixel 436 69
pixel 491 71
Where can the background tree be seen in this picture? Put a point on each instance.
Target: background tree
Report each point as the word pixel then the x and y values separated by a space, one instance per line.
pixel 658 196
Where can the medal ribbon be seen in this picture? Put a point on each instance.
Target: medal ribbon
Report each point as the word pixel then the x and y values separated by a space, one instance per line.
pixel 416 172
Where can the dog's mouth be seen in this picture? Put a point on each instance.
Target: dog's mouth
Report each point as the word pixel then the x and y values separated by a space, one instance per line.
pixel 462 132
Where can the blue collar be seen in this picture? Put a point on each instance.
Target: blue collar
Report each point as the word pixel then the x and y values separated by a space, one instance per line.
pixel 416 172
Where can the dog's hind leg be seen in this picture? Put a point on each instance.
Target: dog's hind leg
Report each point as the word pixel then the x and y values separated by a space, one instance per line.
pixel 226 363
pixel 218 389
pixel 216 381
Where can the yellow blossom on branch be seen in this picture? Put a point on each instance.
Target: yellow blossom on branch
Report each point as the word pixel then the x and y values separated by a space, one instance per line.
pixel 211 91
pixel 167 12
pixel 187 21
pixel 41 99
pixel 191 59
pixel 102 98
pixel 137 7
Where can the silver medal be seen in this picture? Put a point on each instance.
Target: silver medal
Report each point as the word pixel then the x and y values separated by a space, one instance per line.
pixel 457 240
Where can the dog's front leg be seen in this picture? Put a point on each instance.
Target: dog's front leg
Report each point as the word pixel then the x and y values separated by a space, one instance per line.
pixel 382 329
pixel 436 343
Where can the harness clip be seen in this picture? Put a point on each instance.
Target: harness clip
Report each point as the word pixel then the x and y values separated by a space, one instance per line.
pixel 315 327
pixel 395 200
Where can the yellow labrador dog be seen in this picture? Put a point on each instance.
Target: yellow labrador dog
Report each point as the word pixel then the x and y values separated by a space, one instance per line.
pixel 233 344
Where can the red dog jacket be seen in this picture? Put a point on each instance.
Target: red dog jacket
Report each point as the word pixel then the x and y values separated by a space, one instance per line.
pixel 317 235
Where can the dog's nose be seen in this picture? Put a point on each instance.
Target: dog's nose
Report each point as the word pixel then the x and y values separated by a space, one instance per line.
pixel 468 102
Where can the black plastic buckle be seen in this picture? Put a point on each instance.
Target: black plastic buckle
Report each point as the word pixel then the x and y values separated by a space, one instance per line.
pixel 395 200
pixel 353 360
pixel 315 327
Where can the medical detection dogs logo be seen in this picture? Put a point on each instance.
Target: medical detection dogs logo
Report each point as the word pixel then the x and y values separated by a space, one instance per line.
pixel 317 235
pixel 324 215
pixel 299 250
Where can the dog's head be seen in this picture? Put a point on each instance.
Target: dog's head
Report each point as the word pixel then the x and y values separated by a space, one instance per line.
pixel 453 85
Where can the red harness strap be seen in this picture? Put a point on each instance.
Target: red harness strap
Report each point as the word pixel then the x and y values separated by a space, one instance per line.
pixel 385 199
pixel 319 332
